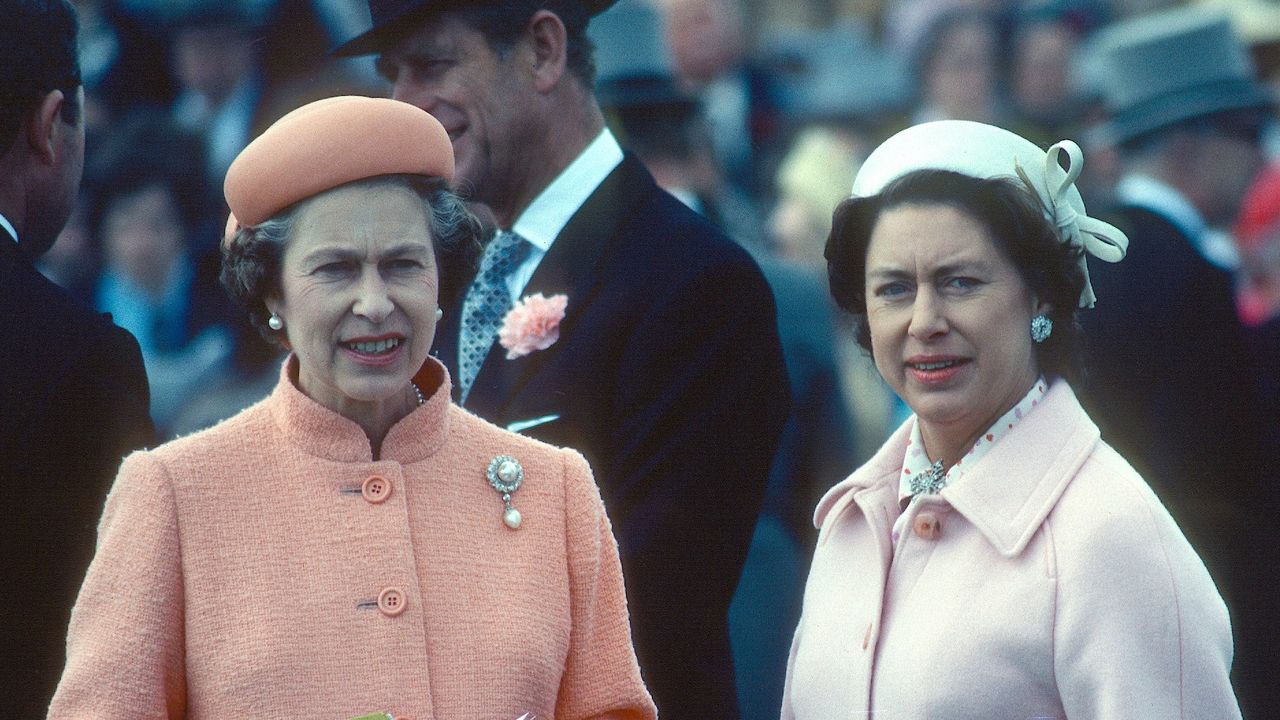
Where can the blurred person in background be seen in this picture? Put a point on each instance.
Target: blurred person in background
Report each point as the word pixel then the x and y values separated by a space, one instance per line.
pixel 710 46
pixel 220 78
pixel 957 68
pixel 152 218
pixel 1045 101
pixel 73 394
pixel 667 372
pixel 1171 377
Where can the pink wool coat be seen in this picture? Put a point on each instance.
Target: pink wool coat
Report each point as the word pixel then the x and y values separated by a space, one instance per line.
pixel 239 573
pixel 1048 582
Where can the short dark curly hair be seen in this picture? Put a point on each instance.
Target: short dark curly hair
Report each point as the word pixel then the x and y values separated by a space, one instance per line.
pixel 251 262
pixel 1016 223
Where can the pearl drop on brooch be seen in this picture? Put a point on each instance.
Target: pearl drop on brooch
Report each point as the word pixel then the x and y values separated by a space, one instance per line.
pixel 512 518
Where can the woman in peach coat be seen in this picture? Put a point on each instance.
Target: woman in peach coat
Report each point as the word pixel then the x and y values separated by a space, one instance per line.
pixel 996 558
pixel 354 543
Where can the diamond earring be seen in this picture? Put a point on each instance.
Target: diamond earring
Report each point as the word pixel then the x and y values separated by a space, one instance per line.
pixel 1041 328
pixel 275 322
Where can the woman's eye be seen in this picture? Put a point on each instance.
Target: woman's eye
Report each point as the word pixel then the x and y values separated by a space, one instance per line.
pixel 892 290
pixel 405 264
pixel 334 269
pixel 962 283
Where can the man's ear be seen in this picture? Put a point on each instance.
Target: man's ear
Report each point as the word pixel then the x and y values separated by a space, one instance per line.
pixel 549 41
pixel 44 126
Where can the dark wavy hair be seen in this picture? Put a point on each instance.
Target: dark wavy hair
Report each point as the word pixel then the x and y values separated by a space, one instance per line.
pixel 251 262
pixel 1016 223
pixel 38 55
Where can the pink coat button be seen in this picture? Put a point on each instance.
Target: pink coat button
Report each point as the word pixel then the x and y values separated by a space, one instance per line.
pixel 926 526
pixel 376 489
pixel 391 601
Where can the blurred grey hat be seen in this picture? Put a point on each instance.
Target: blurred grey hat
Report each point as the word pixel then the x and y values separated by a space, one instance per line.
pixel 836 74
pixel 633 62
pixel 391 17
pixel 1170 66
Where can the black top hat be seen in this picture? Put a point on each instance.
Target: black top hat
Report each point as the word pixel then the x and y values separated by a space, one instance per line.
pixel 1172 66
pixel 392 16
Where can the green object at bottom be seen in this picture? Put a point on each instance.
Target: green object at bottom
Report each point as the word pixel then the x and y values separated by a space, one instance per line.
pixel 375 716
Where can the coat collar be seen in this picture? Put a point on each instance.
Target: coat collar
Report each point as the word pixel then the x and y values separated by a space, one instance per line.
pixel 1009 492
pixel 324 433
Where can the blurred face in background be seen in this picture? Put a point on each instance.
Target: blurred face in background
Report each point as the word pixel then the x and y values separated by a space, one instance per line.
pixel 212 60
pixel 960 73
pixel 143 236
pixel 1041 69
pixel 707 37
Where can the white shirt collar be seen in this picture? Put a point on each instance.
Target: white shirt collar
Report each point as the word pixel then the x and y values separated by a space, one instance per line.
pixel 1149 193
pixel 4 223
pixel 551 210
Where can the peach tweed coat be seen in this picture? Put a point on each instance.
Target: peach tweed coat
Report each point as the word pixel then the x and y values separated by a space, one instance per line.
pixel 1048 582
pixel 239 570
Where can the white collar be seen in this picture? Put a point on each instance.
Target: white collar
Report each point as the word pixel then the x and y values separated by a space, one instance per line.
pixel 1161 198
pixel 1147 192
pixel 551 210
pixel 4 223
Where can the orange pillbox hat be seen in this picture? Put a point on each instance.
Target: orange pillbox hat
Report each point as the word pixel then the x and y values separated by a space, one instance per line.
pixel 329 143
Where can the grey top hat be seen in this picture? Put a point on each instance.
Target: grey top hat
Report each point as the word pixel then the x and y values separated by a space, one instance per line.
pixel 1171 66
pixel 390 17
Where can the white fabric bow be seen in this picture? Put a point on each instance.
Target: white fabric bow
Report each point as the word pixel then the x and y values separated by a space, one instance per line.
pixel 1095 237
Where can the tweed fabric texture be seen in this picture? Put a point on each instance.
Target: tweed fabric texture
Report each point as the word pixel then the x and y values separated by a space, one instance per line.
pixel 487 303
pixel 238 572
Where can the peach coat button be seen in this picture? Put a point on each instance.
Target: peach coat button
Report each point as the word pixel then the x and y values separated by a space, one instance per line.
pixel 926 526
pixel 376 489
pixel 391 601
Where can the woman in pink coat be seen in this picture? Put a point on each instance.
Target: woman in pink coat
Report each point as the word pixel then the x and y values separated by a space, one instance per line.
pixel 353 544
pixel 995 559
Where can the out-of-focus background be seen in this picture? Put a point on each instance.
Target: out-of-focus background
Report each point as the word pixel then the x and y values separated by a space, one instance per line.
pixel 755 112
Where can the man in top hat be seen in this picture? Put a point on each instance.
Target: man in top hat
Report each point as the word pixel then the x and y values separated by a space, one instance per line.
pixel 665 369
pixel 73 393
pixel 1171 382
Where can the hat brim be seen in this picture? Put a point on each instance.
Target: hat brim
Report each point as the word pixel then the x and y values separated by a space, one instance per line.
pixel 377 38
pixel 1164 112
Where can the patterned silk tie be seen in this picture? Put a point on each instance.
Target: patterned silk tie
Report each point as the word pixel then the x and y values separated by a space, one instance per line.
pixel 487 303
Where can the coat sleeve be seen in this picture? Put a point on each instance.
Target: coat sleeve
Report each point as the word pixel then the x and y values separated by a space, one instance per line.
pixel 125 647
pixel 601 677
pixel 1140 630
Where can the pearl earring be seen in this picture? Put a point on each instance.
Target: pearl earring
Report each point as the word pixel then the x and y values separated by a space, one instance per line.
pixel 439 314
pixel 275 323
pixel 1041 328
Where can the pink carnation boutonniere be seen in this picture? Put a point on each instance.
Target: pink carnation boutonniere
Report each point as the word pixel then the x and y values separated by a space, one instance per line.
pixel 533 324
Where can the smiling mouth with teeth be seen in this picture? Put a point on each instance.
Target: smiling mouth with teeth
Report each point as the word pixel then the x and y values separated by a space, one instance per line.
pixel 381 347
pixel 935 365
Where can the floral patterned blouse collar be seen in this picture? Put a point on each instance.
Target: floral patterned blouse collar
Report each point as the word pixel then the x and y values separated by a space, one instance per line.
pixel 917 460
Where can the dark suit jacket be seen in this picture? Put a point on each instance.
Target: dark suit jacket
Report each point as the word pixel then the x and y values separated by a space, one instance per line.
pixel 1171 384
pixel 669 377
pixel 73 401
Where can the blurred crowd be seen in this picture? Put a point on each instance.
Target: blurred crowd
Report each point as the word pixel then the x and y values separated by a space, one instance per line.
pixel 756 113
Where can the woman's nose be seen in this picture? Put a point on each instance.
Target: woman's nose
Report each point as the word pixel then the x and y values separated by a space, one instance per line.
pixel 373 300
pixel 927 317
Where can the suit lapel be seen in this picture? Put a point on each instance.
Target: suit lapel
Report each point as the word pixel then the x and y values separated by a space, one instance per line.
pixel 573 266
